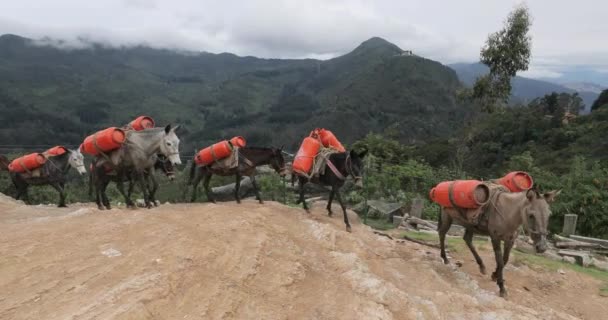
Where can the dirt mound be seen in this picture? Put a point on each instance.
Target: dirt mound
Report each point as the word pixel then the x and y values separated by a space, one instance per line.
pixel 227 261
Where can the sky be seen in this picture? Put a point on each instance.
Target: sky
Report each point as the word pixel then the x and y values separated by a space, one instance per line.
pixel 568 36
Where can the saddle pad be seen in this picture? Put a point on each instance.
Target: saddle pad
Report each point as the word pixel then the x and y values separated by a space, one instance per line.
pixel 473 216
pixel 320 163
pixel 230 162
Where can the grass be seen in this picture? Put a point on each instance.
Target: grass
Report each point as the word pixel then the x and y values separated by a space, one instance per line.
pixel 457 245
pixel 553 265
pixel 379 224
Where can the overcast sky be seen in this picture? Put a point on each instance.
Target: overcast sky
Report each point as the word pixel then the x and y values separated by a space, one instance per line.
pixel 566 34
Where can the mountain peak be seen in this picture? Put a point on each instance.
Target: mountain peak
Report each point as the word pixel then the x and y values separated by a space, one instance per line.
pixel 12 38
pixel 378 44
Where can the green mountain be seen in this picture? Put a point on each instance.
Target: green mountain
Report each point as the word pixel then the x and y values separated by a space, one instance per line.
pixel 50 95
pixel 524 89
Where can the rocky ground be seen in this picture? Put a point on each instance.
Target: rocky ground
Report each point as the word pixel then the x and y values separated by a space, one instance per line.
pixel 251 261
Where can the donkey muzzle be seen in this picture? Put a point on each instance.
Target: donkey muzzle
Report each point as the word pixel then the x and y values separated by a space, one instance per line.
pixel 541 246
pixel 358 182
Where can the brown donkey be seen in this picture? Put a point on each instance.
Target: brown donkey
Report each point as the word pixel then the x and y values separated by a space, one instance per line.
pixel 501 220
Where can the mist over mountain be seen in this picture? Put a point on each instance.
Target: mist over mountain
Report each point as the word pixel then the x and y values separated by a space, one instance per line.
pixel 59 95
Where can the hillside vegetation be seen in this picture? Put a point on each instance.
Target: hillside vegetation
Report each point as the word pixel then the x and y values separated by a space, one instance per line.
pixel 60 95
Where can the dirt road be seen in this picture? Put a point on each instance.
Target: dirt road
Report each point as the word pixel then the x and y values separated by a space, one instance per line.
pixel 247 261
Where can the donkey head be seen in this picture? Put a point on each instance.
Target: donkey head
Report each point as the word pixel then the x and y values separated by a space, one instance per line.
pixel 76 161
pixel 170 145
pixel 355 166
pixel 277 161
pixel 536 219
pixel 165 166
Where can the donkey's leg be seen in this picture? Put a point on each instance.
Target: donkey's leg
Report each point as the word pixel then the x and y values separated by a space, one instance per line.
pixel 256 189
pixel 98 194
pixel 196 180
pixel 468 239
pixel 331 199
pixel 61 194
pixel 206 181
pixel 508 246
pixel 237 188
pixel 120 185
pixel 445 222
pixel 153 188
pixel 302 200
pixel 141 180
pixel 337 192
pixel 104 195
pixel 497 275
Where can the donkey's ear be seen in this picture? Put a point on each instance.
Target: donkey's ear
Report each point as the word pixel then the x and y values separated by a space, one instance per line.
pixel 550 196
pixel 531 195
pixel 168 129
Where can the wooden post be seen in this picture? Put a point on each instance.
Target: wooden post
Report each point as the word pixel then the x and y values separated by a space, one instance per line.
pixel 569 224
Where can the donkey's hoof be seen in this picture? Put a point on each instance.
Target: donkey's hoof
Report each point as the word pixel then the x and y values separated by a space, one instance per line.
pixel 261 201
pixel 348 228
pixel 494 276
pixel 330 213
pixel 482 269
pixel 101 208
pixel 503 294
pixel 62 206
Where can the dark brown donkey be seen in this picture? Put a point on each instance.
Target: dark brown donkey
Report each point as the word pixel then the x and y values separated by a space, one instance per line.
pixel 249 159
pixel 339 166
pixel 106 175
pixel 4 163
pixel 501 219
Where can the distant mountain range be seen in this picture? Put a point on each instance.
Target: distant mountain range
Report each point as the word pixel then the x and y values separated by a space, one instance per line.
pixel 50 95
pixel 526 89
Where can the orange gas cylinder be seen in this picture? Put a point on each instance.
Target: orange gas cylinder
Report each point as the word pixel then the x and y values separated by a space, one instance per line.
pixel 329 140
pixel 103 141
pixel 141 123
pixel 305 157
pixel 55 151
pixel 467 194
pixel 238 142
pixel 517 181
pixel 28 162
pixel 213 153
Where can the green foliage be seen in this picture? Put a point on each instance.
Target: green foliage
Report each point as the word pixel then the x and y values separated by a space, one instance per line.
pixel 602 101
pixel 506 52
pixel 54 96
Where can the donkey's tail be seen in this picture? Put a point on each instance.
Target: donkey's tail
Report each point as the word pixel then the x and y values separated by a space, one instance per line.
pixel 192 172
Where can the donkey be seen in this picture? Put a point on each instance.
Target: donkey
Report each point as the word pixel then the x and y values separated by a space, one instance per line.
pixel 501 220
pixel 4 162
pixel 249 159
pixel 138 156
pixel 339 166
pixel 53 173
pixel 162 163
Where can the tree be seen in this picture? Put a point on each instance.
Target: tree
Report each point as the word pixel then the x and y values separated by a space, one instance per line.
pixel 506 52
pixel 602 100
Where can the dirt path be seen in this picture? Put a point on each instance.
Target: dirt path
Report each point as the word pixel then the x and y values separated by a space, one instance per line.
pixel 248 261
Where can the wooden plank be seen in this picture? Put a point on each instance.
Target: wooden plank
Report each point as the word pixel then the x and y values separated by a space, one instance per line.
pixel 590 240
pixel 577 245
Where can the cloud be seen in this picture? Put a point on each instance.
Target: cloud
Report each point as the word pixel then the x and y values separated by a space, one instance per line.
pixel 446 31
